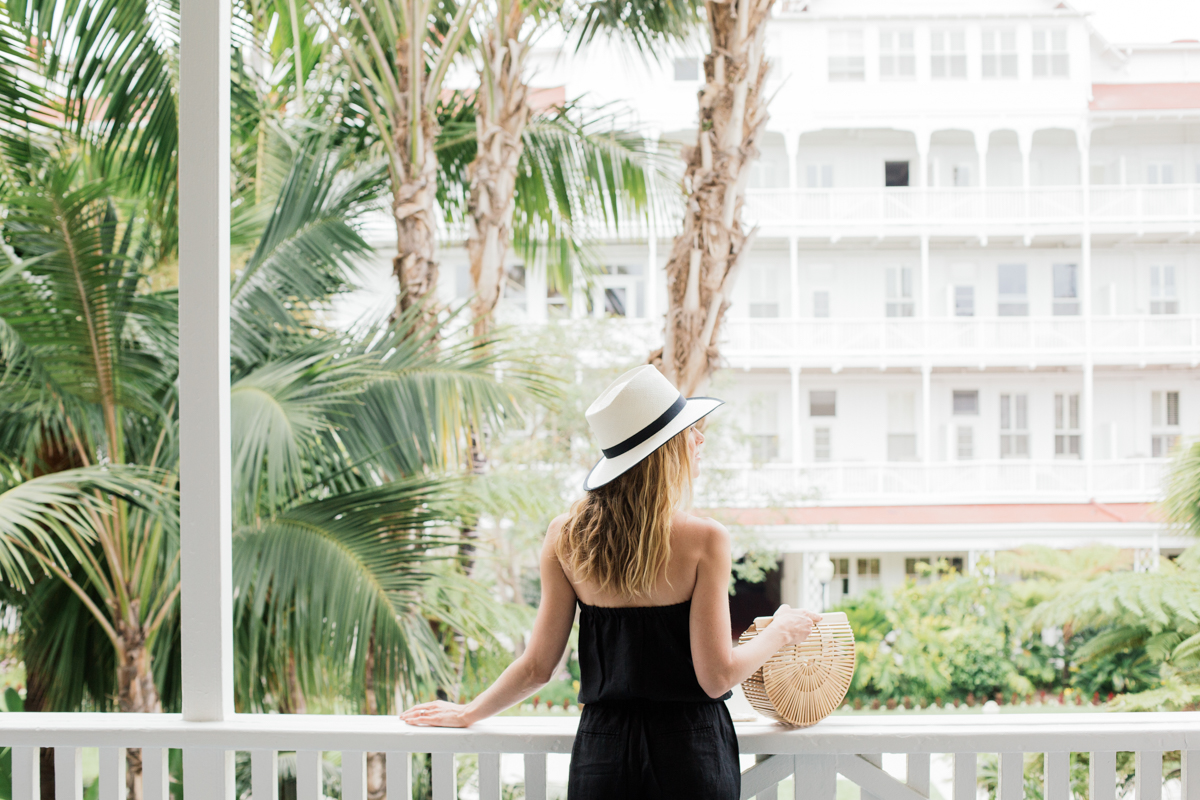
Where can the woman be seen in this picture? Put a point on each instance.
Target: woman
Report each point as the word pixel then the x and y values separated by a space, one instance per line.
pixel 651 581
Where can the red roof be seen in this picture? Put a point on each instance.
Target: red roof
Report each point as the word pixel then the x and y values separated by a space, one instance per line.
pixel 990 514
pixel 1144 96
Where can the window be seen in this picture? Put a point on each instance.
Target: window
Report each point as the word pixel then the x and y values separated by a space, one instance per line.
pixel 1163 299
pixel 964 301
pixel 822 446
pixel 1160 172
pixel 763 294
pixel 1164 423
pixel 764 429
pixel 822 404
pixel 897 56
pixel 1014 302
pixel 846 62
pixel 687 69
pixel 911 566
pixel 1050 59
pixel 966 403
pixel 841 576
pixel 1067 438
pixel 999 53
pixel 949 54
pixel 821 303
pixel 902 428
pixel 895 173
pixel 899 292
pixel 868 573
pixel 1066 290
pixel 964 443
pixel 1014 426
pixel 961 174
pixel 818 176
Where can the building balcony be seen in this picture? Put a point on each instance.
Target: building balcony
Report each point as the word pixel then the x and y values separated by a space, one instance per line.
pixel 962 341
pixel 974 210
pixel 1008 480
pixel 843 745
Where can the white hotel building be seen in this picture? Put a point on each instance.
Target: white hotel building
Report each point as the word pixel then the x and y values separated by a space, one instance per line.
pixel 971 319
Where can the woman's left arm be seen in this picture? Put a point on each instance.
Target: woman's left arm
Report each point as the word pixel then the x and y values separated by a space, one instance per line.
pixel 534 668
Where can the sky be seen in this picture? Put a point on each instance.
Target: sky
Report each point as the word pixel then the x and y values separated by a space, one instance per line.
pixel 1136 21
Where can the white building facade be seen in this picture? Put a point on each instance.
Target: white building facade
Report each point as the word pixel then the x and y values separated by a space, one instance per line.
pixel 971 319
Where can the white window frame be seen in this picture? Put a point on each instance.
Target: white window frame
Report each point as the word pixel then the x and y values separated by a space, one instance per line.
pixel 897 54
pixel 999 61
pixel 823 444
pixel 1160 173
pixel 1065 305
pixel 1165 429
pixel 1068 434
pixel 948 54
pixel 1012 301
pixel 960 294
pixel 1164 291
pixel 899 292
pixel 818 176
pixel 1051 54
pixel 847 61
pixel 1014 425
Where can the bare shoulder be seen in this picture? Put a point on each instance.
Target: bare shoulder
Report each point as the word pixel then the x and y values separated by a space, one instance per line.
pixel 702 535
pixel 554 529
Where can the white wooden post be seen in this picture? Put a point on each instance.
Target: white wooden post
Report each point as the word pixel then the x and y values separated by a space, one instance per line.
pixel 815 778
pixel 1012 777
pixel 68 773
pixel 308 775
pixel 156 774
pixel 354 775
pixel 917 772
pixel 1058 776
pixel 397 768
pixel 1189 788
pixel 964 776
pixel 205 501
pixel 444 783
pixel 877 760
pixel 489 776
pixel 264 775
pixel 112 773
pixel 535 776
pixel 1102 776
pixel 1148 780
pixel 26 774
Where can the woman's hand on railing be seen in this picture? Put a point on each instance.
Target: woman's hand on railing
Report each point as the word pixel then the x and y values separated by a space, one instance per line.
pixel 438 714
pixel 794 623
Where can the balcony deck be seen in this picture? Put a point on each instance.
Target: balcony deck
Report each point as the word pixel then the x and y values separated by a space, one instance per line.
pixel 973 210
pixel 849 745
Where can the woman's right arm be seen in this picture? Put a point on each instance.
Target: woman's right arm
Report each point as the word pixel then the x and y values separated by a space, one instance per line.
pixel 719 665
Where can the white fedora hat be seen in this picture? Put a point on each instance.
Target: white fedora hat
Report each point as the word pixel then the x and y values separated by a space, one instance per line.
pixel 637 414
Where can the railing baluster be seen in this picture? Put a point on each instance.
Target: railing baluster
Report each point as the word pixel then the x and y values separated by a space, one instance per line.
pixel 535 776
pixel 444 783
pixel 917 773
pixel 815 778
pixel 1148 775
pixel 354 775
pixel 26 774
pixel 877 760
pixel 112 773
pixel 489 776
pixel 215 768
pixel 308 775
pixel 1102 776
pixel 1058 776
pixel 156 774
pixel 68 773
pixel 1189 775
pixel 964 776
pixel 264 775
pixel 1012 777
pixel 399 786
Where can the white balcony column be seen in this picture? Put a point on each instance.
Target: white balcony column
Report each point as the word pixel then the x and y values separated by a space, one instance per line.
pixel 797 449
pixel 982 142
pixel 794 275
pixel 204 416
pixel 927 414
pixel 923 139
pixel 1087 449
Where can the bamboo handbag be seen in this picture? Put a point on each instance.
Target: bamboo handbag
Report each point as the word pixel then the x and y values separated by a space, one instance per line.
pixel 803 683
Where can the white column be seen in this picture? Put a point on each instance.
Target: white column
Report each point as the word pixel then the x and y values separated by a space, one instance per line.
pixel 797 441
pixel 982 141
pixel 1088 449
pixel 922 138
pixel 205 502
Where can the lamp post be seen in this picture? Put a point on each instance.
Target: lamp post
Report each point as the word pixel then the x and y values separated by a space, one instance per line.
pixel 824 570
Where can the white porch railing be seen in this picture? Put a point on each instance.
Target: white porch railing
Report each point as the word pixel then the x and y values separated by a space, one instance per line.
pixel 1009 479
pixel 850 746
pixel 834 209
pixel 964 340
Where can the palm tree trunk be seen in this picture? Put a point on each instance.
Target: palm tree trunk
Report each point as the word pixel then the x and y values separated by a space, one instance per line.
pixel 136 693
pixel 502 114
pixel 707 254
pixel 414 192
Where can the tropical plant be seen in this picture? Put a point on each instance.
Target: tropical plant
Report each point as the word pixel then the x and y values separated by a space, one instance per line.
pixel 711 247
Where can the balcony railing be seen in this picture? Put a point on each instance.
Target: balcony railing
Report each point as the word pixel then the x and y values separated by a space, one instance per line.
pixel 849 746
pixel 966 340
pixel 1008 479
pixel 831 209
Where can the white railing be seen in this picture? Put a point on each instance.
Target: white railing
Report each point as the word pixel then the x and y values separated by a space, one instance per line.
pixel 964 340
pixel 850 746
pixel 1037 205
pixel 1008 479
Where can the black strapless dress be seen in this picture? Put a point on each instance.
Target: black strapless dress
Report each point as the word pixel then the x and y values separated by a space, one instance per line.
pixel 648 730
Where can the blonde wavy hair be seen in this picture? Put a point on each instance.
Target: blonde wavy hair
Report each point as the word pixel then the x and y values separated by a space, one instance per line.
pixel 618 536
